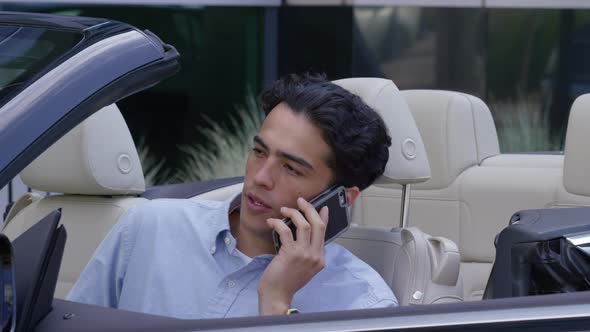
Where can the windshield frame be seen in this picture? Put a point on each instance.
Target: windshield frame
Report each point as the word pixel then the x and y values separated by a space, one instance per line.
pixel 64 94
pixel 38 68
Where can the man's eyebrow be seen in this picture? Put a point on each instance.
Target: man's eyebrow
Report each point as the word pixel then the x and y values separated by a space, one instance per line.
pixel 286 155
pixel 259 140
pixel 295 159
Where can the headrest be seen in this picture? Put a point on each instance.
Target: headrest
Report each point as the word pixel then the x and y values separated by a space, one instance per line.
pixel 577 154
pixel 97 157
pixel 407 162
pixel 458 131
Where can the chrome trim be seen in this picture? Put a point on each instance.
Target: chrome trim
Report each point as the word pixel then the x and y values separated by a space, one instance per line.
pixel 97 26
pixel 578 239
pixel 405 205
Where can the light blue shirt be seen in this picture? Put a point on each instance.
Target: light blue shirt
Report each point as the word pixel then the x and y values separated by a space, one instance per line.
pixel 177 258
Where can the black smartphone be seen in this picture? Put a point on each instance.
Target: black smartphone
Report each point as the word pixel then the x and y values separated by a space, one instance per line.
pixel 335 199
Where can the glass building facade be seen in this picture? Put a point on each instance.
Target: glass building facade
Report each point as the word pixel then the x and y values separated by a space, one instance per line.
pixel 527 64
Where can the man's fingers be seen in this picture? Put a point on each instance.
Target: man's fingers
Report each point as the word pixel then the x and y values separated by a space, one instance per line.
pixel 303 227
pixel 325 214
pixel 282 229
pixel 318 222
pixel 319 230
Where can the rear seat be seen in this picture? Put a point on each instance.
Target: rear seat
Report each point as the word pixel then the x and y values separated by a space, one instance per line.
pixel 474 190
pixel 420 269
pixel 457 136
pixel 575 188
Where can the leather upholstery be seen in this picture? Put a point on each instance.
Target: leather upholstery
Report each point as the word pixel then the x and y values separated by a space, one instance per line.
pixel 419 268
pixel 474 190
pixel 98 157
pixel 89 166
pixel 457 129
pixel 577 153
pixel 87 219
pixel 408 162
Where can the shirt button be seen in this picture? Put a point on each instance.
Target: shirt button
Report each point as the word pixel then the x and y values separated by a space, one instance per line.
pixel 213 249
pixel 227 240
pixel 231 284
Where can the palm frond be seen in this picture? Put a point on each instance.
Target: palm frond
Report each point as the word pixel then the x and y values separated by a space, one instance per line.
pixel 226 155
pixel 523 126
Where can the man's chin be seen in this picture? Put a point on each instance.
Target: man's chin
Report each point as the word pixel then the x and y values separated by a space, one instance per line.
pixel 256 223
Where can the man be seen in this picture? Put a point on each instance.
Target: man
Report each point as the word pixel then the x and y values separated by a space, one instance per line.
pixel 205 259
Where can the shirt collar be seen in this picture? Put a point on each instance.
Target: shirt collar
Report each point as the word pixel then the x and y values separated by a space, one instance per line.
pixel 221 224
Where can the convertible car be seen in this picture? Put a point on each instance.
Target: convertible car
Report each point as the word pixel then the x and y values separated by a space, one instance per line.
pixel 61 132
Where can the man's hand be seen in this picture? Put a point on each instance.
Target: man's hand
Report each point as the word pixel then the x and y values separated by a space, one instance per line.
pixel 297 261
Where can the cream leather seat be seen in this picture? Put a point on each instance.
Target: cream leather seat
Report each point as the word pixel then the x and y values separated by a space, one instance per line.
pixel 96 169
pixel 419 268
pixel 576 180
pixel 458 133
pixel 474 190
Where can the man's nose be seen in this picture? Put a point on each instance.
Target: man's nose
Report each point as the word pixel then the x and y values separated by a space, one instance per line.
pixel 264 176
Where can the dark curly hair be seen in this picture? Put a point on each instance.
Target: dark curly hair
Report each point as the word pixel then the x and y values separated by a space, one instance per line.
pixel 355 133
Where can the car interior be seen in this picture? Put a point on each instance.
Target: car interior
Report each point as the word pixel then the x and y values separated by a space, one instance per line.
pixel 462 191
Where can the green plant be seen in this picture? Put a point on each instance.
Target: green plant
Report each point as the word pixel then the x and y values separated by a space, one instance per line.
pixel 226 155
pixel 523 126
pixel 153 167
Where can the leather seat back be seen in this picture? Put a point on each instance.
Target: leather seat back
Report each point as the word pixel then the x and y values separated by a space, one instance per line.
pixel 577 154
pixel 459 134
pixel 404 264
pixel 419 268
pixel 96 170
pixel 474 190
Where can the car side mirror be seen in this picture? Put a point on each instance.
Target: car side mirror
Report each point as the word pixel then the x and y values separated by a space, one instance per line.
pixel 7 286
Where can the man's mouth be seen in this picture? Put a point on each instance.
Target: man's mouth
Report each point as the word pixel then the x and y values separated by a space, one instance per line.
pixel 255 203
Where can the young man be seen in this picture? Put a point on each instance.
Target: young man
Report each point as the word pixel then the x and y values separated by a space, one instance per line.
pixel 205 259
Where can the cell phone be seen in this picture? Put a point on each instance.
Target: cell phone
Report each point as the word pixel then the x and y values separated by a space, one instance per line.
pixel 335 199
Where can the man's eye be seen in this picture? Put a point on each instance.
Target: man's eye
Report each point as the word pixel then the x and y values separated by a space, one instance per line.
pixel 257 152
pixel 291 170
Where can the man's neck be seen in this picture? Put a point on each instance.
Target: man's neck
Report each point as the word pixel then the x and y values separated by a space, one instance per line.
pixel 249 243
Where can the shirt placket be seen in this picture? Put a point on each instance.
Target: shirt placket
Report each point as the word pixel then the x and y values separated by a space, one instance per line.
pixel 229 289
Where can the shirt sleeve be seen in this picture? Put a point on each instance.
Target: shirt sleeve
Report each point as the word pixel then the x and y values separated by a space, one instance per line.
pixel 385 303
pixel 101 281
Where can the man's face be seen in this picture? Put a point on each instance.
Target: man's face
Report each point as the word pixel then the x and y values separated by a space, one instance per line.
pixel 288 160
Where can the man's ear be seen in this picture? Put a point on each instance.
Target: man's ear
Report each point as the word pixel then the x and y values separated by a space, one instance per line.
pixel 351 194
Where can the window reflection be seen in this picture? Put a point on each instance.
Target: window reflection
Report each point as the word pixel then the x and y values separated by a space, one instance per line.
pixel 528 65
pixel 26 51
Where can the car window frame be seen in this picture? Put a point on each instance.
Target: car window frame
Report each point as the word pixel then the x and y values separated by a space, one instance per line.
pixel 115 61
